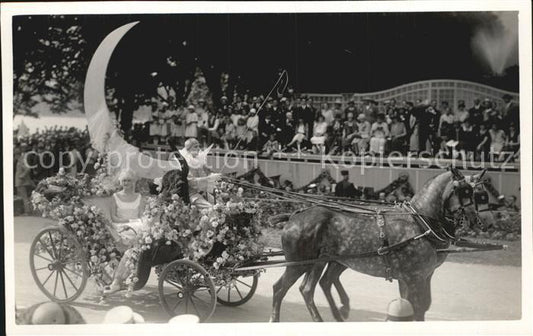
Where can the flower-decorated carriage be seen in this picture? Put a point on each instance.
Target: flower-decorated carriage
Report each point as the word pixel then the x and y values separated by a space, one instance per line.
pixel 194 252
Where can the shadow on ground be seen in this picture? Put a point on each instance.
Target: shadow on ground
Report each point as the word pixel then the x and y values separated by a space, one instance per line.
pixel 147 303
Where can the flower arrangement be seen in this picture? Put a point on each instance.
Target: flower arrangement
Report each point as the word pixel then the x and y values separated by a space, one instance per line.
pixel 60 197
pixel 219 239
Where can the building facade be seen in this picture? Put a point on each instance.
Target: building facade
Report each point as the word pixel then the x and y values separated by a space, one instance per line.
pixel 440 90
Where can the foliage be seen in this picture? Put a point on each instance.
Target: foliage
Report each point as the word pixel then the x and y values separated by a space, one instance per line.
pixel 51 65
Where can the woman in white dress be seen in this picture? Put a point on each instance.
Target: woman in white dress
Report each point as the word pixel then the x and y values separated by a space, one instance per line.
pixel 126 211
pixel 319 135
pixel 191 123
pixel 299 135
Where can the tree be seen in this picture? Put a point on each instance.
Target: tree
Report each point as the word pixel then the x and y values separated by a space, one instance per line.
pixel 49 62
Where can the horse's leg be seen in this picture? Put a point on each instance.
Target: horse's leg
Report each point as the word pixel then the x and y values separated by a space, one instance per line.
pixel 418 293
pixel 280 288
pixel 345 300
pixel 403 289
pixel 331 276
pixel 307 288
pixel 425 297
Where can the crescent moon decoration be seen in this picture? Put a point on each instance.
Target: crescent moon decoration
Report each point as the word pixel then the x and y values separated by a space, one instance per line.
pixel 104 135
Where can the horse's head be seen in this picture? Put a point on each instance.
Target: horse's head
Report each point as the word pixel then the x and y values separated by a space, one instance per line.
pixel 466 200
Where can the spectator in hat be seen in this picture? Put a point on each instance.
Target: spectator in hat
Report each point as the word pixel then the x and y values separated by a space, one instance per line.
pixel 49 313
pixel 203 119
pixel 227 131
pixel 299 137
pixel 345 188
pixel 467 137
pixel 490 114
pixel 288 128
pixel 476 113
pixel 191 123
pixel 362 138
pixel 122 315
pixel 398 133
pixel 483 142
pixel 379 133
pixel 252 129
pixel 350 109
pixel 327 113
pixel 213 124
pixel 510 112
pixel 337 109
pixel 400 310
pixel 266 127
pixel 271 146
pixel 513 139
pixel 319 135
pixel 349 130
pixel 461 114
pixel 23 181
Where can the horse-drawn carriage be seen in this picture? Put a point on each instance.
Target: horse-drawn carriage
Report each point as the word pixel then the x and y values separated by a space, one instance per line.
pixel 62 262
pixel 398 241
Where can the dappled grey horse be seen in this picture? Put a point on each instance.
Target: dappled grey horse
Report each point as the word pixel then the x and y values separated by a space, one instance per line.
pixel 394 242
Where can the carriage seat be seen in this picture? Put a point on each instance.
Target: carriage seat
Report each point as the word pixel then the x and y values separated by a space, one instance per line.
pixel 103 204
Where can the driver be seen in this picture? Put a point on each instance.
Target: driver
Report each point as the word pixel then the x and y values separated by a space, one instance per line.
pixel 201 179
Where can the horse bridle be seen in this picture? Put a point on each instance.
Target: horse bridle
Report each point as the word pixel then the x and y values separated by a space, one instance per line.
pixel 467 196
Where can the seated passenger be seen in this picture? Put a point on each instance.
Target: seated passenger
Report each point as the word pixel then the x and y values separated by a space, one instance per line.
pixel 126 211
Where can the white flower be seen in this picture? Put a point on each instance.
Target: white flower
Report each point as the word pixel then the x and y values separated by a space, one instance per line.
pixel 214 224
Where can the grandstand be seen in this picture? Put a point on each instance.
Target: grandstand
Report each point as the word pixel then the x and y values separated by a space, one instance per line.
pixel 449 90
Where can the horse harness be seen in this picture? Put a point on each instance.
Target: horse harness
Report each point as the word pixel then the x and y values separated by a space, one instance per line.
pixel 441 237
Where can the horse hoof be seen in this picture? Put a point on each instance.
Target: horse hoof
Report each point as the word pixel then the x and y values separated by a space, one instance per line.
pixel 345 312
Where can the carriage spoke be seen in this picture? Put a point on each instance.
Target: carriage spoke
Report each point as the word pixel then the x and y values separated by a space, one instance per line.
pixel 45 281
pixel 41 268
pixel 229 292
pixel 219 289
pixel 72 283
pixel 60 246
pixel 186 305
pixel 53 245
pixel 71 271
pixel 244 283
pixel 194 306
pixel 177 304
pixel 46 248
pixel 55 285
pixel 173 284
pixel 63 283
pixel 202 301
pixel 238 291
pixel 40 256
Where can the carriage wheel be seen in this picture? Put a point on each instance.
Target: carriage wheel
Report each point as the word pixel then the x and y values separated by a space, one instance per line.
pixel 57 265
pixel 239 291
pixel 186 288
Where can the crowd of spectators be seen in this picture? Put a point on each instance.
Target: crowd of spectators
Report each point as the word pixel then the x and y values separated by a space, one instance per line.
pixel 293 123
pixel 39 155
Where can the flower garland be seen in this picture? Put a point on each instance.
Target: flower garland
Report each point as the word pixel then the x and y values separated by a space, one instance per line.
pixel 60 197
pixel 219 238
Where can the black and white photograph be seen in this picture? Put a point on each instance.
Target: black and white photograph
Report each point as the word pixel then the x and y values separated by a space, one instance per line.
pixel 267 164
